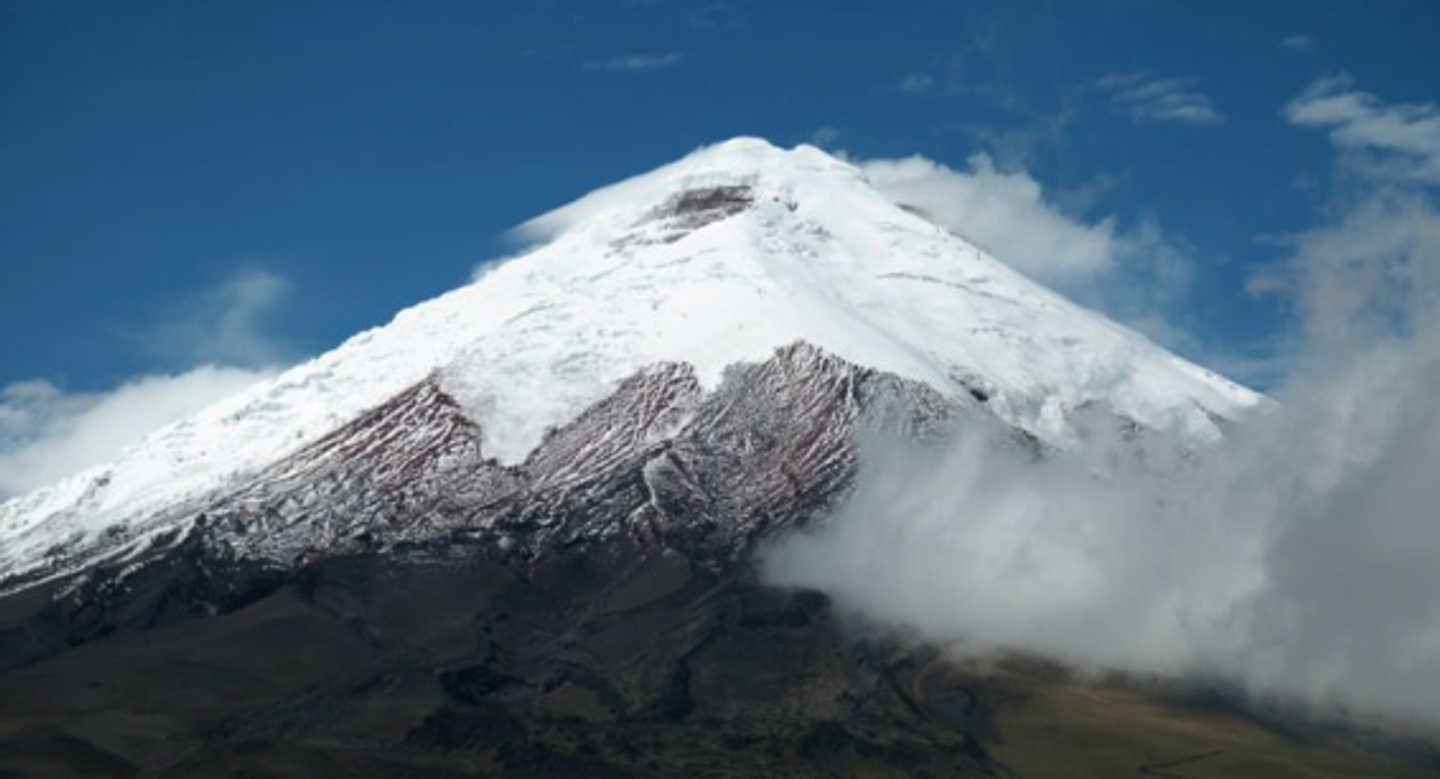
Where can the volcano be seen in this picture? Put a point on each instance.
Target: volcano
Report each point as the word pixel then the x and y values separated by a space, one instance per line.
pixel 646 303
pixel 511 532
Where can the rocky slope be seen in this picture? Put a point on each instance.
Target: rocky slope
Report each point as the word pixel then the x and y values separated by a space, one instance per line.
pixel 714 261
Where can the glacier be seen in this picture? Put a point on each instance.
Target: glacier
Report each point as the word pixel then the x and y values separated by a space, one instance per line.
pixel 717 259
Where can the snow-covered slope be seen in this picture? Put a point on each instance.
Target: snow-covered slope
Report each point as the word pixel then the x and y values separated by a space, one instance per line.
pixel 719 258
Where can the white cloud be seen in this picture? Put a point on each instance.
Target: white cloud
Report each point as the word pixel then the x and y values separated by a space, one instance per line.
pixel 638 63
pixel 1295 556
pixel 1019 147
pixel 1003 213
pixel 1299 44
pixel 1138 276
pixel 825 137
pixel 718 15
pixel 1149 99
pixel 225 324
pixel 47 434
pixel 916 82
pixel 1388 243
pixel 1402 139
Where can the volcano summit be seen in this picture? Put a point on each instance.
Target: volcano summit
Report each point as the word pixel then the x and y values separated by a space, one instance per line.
pixel 511 531
pixel 665 282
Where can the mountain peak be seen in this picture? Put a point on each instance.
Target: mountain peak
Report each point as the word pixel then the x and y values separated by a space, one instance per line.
pixel 743 161
pixel 715 260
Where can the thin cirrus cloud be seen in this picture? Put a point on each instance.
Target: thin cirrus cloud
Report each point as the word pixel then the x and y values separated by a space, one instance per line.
pixel 1395 141
pixel 48 432
pixel 1299 44
pixel 916 83
pixel 637 63
pixel 825 136
pixel 1149 99
pixel 226 323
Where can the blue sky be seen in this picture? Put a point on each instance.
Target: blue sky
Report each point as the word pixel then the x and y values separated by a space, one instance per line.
pixel 245 184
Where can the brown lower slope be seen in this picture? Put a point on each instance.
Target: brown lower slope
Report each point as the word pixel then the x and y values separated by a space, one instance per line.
pixel 447 666
pixel 455 663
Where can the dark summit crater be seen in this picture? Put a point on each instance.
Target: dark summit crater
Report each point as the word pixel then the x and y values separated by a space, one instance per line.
pixel 695 207
pixel 692 209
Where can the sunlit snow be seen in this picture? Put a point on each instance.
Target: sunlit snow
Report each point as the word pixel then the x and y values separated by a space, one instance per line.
pixel 818 255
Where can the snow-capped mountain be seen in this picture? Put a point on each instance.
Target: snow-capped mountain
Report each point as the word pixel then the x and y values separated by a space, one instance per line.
pixel 744 279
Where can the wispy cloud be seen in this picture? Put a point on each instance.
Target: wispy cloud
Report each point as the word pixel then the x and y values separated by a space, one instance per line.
pixel 1149 99
pixel 916 83
pixel 1394 141
pixel 217 336
pixel 825 137
pixel 1298 44
pixel 1003 212
pixel 1024 145
pixel 226 324
pixel 1388 232
pixel 637 63
pixel 1139 275
pixel 716 15
pixel 47 433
